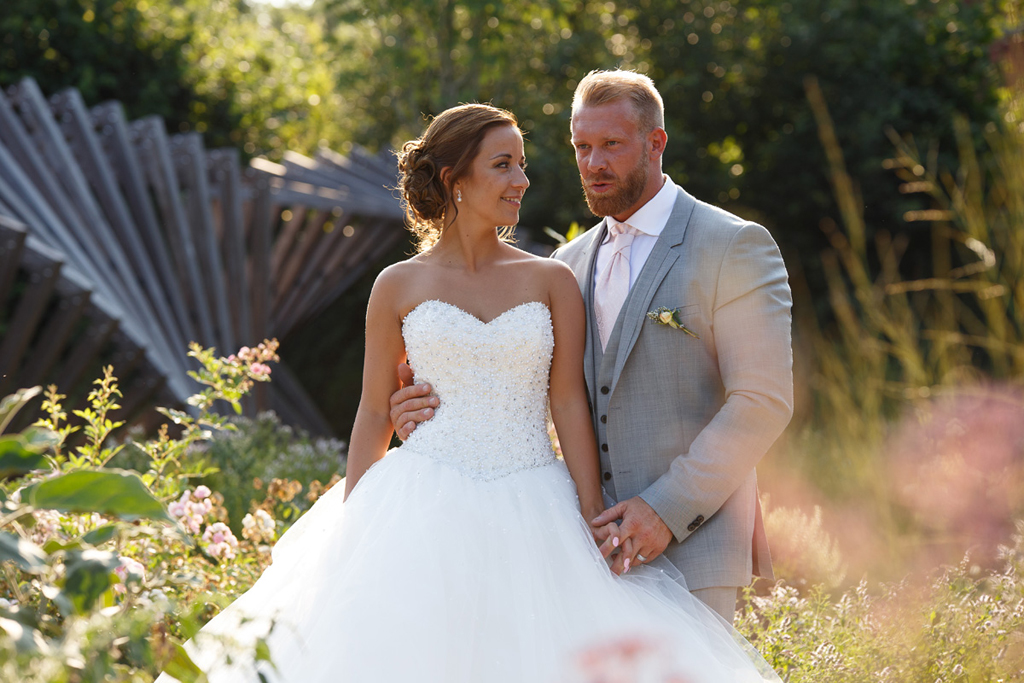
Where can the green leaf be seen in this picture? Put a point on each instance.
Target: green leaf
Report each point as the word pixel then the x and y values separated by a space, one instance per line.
pixel 182 667
pixel 10 405
pixel 88 576
pixel 20 455
pixel 118 493
pixel 26 638
pixel 101 534
pixel 25 554
pixel 40 439
pixel 56 544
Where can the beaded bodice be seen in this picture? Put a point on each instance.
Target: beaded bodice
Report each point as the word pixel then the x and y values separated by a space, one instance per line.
pixel 492 379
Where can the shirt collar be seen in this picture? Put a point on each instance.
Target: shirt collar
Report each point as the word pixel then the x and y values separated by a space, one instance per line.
pixel 652 217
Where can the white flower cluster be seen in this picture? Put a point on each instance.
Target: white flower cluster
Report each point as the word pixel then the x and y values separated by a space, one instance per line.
pixel 128 567
pixel 222 542
pixel 191 509
pixel 48 523
pixel 259 527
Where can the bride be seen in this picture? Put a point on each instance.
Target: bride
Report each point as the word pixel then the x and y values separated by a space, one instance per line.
pixel 463 555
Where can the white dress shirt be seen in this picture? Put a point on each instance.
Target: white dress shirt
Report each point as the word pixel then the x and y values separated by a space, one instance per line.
pixel 650 219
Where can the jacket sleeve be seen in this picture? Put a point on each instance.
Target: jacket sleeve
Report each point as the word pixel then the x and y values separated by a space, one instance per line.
pixel 751 323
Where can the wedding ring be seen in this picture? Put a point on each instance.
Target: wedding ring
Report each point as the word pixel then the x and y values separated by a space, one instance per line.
pixel 641 557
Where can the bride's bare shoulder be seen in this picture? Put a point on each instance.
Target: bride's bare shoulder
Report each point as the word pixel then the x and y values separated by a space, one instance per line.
pixel 551 271
pixel 397 282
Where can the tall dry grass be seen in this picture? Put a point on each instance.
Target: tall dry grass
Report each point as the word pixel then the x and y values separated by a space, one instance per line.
pixel 914 447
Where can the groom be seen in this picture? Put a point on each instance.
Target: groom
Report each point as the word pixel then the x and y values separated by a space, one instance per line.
pixel 684 404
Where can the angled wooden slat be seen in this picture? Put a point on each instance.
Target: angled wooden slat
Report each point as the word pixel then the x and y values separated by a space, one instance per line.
pixel 332 271
pixel 155 311
pixel 190 165
pixel 349 261
pixel 12 243
pixel 311 239
pixel 116 137
pixel 139 392
pixel 226 178
pixel 175 242
pixel 288 192
pixel 87 347
pixel 259 269
pixel 22 196
pixel 55 336
pixel 316 172
pixel 43 270
pixel 313 271
pixel 126 357
pixel 286 240
pixel 323 170
pixel 153 154
pixel 353 267
pixel 47 136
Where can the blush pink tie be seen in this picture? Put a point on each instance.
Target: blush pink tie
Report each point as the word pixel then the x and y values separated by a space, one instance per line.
pixel 612 285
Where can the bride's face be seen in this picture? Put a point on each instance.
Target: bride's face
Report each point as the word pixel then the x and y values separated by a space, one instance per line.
pixel 493 189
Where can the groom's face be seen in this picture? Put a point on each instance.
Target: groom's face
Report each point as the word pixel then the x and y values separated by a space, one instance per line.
pixel 612 158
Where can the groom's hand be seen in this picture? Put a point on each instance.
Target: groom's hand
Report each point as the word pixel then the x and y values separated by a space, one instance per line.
pixel 410 404
pixel 641 532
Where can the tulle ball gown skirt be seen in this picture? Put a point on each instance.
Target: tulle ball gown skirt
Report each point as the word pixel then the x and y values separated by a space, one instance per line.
pixel 428 575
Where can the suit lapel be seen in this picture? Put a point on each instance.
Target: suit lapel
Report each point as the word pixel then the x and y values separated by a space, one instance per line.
pixel 659 263
pixel 585 277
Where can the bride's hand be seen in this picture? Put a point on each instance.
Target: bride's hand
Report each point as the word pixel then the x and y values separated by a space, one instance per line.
pixel 411 404
pixel 644 534
pixel 607 536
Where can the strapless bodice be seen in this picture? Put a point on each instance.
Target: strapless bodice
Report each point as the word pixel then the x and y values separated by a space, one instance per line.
pixel 492 379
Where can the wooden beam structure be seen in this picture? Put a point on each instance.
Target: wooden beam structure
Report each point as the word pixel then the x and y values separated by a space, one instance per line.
pixel 119 244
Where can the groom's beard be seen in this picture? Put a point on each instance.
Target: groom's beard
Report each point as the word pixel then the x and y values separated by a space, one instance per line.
pixel 621 199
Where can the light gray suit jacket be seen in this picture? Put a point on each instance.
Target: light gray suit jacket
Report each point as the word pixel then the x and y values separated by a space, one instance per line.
pixel 682 422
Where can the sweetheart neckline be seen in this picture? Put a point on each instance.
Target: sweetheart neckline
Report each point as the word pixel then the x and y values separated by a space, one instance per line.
pixel 474 317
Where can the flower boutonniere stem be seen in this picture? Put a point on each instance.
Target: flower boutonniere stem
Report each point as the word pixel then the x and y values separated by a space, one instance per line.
pixel 670 317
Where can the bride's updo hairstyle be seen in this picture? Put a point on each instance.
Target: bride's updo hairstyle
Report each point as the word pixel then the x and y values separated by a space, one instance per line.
pixel 451 140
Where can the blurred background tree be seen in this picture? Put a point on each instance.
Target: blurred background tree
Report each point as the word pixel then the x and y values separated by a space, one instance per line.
pixel 265 79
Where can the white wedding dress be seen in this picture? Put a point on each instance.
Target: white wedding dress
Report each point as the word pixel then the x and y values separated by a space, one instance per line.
pixel 461 557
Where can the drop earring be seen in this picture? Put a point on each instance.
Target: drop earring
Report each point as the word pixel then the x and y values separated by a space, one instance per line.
pixel 458 196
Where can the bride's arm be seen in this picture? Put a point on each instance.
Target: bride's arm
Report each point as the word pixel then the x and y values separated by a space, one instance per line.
pixel 568 392
pixel 385 348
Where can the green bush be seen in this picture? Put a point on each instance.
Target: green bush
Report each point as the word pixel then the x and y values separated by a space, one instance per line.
pixel 962 624
pixel 261 450
pixel 99 581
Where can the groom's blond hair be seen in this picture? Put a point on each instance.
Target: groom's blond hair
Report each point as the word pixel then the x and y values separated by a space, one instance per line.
pixel 601 87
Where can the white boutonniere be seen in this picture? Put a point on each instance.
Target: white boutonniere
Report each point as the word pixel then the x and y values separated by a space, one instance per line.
pixel 670 317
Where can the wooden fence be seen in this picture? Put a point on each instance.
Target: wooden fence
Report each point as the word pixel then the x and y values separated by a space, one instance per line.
pixel 119 244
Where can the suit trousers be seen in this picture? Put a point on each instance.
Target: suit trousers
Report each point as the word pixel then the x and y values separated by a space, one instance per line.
pixel 721 599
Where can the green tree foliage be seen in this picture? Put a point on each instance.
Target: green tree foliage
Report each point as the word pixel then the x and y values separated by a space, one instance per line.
pixel 408 60
pixel 261 79
pixel 733 79
pixel 741 132
pixel 107 49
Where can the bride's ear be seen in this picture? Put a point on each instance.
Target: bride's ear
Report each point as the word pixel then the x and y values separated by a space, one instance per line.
pixel 446 178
